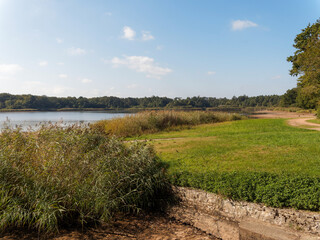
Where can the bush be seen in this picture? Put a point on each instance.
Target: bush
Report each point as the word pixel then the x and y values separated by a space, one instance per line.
pixel 300 192
pixel 155 121
pixel 73 176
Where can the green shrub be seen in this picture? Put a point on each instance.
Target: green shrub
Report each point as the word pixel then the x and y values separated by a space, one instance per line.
pixel 155 121
pixel 300 192
pixel 73 176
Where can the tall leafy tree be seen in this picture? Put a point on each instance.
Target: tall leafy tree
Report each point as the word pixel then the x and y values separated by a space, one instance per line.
pixel 306 65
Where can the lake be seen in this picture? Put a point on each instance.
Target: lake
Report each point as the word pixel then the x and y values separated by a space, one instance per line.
pixel 33 119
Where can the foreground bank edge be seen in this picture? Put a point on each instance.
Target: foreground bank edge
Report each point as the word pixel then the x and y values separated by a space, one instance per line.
pixel 233 220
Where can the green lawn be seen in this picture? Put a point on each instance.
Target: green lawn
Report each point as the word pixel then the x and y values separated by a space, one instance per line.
pixel 264 145
pixel 314 121
pixel 262 160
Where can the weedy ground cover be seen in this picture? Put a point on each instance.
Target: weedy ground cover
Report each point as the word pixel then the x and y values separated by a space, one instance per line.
pixel 156 121
pixel 75 176
pixel 261 160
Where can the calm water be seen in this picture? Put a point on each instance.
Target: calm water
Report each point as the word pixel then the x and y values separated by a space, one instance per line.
pixel 33 119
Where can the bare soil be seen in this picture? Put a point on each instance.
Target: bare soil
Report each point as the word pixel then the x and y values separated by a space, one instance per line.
pixel 280 114
pixel 155 227
pixel 295 119
pixel 302 122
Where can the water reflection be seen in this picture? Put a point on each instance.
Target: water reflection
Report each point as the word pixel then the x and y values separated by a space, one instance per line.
pixel 32 120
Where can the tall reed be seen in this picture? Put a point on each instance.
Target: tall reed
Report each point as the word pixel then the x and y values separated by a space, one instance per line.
pixel 72 176
pixel 154 121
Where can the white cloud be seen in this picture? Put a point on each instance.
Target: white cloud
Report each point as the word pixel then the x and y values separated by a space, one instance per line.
pixel 146 36
pixel 42 88
pixel 62 75
pixel 86 80
pixel 43 63
pixel 141 64
pixel 10 69
pixel 59 40
pixel 76 51
pixel 242 24
pixel 60 63
pixel 211 73
pixel 128 33
pixel 108 13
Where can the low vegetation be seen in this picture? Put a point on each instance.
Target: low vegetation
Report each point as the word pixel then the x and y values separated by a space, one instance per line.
pixel 261 160
pixel 314 121
pixel 76 176
pixel 155 121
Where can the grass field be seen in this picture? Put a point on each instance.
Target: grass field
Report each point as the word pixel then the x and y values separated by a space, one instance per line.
pixel 262 160
pixel 314 121
pixel 267 145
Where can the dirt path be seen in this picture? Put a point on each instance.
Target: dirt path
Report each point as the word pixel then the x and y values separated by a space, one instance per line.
pixel 280 114
pixel 296 119
pixel 302 123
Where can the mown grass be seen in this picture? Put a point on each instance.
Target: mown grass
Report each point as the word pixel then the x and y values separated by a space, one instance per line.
pixel 262 160
pixel 75 176
pixel 156 121
pixel 314 121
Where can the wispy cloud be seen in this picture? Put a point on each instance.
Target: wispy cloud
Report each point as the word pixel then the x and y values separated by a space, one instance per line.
pixel 238 25
pixel 128 33
pixel 38 87
pixel 10 69
pixel 76 51
pixel 43 63
pixel 86 80
pixel 63 76
pixel 141 64
pixel 60 63
pixel 146 36
pixel 211 73
pixel 59 40
pixel 108 13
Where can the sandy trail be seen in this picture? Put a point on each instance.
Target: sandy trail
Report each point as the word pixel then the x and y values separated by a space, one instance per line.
pixel 296 119
pixel 280 114
pixel 302 123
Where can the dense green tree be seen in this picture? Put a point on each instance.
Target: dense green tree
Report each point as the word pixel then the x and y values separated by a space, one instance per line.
pixel 306 65
pixel 289 98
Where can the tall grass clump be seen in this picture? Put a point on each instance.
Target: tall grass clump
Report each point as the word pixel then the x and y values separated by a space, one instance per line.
pixel 155 121
pixel 74 176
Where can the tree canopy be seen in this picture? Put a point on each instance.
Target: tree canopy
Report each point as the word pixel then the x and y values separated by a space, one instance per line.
pixel 306 65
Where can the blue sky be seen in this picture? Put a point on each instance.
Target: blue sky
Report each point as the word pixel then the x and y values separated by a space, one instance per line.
pixel 137 48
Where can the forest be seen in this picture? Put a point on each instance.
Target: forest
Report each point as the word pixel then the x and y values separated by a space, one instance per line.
pixel 10 101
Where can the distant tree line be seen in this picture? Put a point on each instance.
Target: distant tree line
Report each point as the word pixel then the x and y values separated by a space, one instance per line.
pixel 9 101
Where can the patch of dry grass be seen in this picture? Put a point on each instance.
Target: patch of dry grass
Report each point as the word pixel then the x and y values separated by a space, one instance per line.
pixel 155 121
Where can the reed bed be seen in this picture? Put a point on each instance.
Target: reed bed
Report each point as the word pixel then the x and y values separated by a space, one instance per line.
pixel 155 121
pixel 74 177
